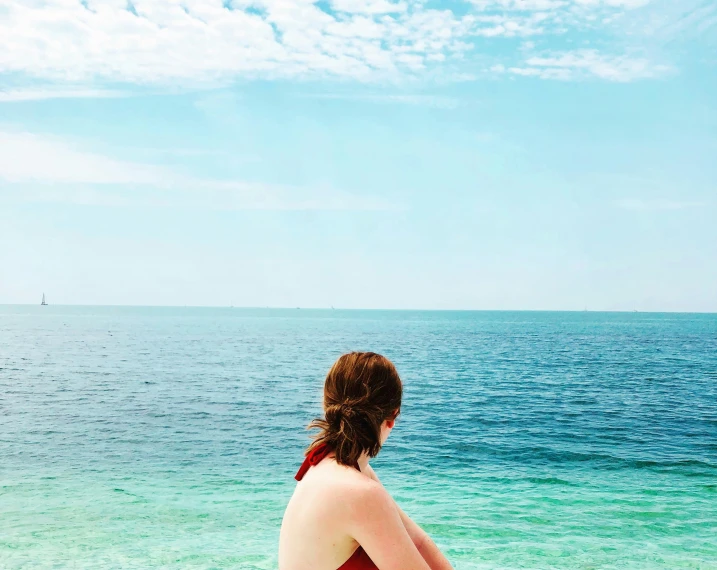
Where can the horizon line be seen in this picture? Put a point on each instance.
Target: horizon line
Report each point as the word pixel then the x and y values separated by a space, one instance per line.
pixel 331 308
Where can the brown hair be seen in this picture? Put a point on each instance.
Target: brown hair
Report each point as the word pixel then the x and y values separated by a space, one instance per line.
pixel 362 389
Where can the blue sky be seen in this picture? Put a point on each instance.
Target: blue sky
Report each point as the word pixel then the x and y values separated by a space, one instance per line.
pixel 490 154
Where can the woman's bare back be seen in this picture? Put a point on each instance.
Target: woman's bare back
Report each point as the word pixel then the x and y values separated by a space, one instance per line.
pixel 314 529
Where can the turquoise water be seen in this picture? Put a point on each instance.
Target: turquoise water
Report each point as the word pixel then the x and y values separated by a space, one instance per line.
pixel 168 438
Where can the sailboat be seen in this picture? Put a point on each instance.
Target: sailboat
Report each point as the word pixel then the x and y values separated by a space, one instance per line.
pixel 43 300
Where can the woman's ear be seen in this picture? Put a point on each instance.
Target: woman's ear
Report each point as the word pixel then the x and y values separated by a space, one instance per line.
pixel 390 423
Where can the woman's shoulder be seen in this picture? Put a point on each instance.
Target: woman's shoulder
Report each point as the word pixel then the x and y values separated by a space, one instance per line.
pixel 366 491
pixel 359 493
pixel 345 483
pixel 361 485
pixel 337 493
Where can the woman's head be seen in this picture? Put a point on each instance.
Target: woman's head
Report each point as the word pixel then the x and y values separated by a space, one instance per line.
pixel 362 397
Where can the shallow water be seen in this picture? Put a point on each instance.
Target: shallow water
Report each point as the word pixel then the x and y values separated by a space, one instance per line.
pixel 168 437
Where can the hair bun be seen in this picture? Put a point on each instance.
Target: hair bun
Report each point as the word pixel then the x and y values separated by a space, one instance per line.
pixel 342 411
pixel 348 411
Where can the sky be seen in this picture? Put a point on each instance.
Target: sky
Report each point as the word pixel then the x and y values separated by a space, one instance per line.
pixel 418 154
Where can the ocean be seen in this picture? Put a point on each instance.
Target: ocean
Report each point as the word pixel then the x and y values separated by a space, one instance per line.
pixel 148 438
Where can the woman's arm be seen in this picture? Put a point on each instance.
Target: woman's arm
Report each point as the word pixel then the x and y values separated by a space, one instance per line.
pixel 373 521
pixel 428 549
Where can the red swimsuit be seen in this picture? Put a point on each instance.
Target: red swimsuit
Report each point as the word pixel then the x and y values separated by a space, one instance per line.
pixel 359 559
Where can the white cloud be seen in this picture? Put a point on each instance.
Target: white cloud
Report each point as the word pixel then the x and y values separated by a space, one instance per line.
pixel 207 42
pixel 542 5
pixel 18 95
pixel 526 5
pixel 202 195
pixel 51 169
pixel 165 41
pixel 630 4
pixel 27 157
pixel 436 101
pixel 589 63
pixel 368 6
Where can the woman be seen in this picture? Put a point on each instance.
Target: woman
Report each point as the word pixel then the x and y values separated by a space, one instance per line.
pixel 340 516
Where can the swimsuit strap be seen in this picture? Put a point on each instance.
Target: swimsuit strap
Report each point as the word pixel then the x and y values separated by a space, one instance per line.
pixel 312 458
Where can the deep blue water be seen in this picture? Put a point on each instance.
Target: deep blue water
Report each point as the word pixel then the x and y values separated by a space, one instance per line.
pixel 168 437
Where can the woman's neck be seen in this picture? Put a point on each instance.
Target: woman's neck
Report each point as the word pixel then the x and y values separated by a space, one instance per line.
pixel 363 461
